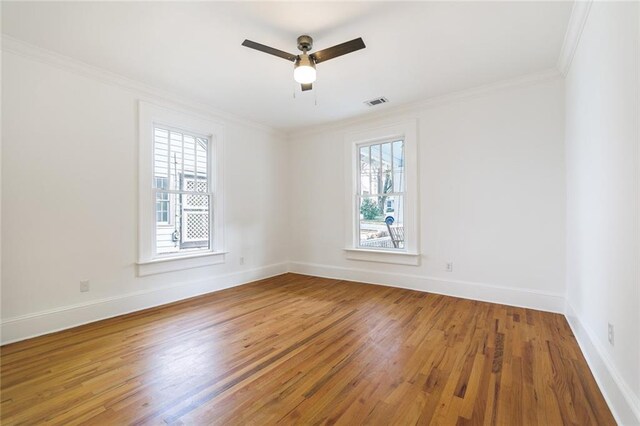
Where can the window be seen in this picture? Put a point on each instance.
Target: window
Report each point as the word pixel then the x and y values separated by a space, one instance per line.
pixel 181 164
pixel 382 194
pixel 180 194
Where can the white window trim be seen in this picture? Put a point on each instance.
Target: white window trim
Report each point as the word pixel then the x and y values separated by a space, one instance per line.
pixel 148 262
pixel 407 131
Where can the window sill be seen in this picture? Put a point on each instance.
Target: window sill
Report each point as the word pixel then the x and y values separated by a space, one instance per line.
pixel 397 257
pixel 177 263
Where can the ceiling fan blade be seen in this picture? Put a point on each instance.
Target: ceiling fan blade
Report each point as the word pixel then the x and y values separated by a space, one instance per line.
pixel 307 86
pixel 270 50
pixel 338 50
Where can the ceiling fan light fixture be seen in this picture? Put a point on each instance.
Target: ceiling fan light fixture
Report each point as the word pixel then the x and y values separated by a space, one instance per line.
pixel 305 70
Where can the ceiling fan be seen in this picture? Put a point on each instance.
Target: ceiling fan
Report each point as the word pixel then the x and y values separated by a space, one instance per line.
pixel 304 71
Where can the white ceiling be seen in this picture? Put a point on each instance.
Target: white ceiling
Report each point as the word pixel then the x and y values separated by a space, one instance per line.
pixel 415 50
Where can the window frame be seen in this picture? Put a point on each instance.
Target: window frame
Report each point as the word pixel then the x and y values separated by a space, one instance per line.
pixel 149 261
pixel 406 131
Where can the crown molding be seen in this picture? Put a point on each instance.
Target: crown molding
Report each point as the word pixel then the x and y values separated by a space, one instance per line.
pixel 18 47
pixel 577 21
pixel 415 107
pixel 148 92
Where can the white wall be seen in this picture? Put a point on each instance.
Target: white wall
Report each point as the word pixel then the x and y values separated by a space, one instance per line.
pixel 603 257
pixel 492 199
pixel 69 210
pixel 491 184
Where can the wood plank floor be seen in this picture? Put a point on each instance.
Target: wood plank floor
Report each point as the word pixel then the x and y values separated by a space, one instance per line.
pixel 302 350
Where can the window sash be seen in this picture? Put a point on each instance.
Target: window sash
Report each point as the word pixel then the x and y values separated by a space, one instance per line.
pixel 202 146
pixel 210 211
pixel 384 156
pixel 358 223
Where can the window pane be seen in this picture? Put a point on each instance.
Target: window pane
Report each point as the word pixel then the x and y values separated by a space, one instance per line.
pixel 162 200
pixel 398 182
pixel 202 163
pixel 381 222
pixel 176 166
pixel 364 166
pixel 162 182
pixel 365 184
pixel 398 155
pixel 398 167
pixel 162 204
pixel 186 227
pixel 189 157
pixel 387 182
pixel 375 156
pixel 161 152
pixel 387 175
pixel 376 176
pixel 386 156
pixel 365 160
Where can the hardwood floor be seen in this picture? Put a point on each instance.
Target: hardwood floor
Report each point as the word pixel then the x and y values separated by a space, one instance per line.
pixel 305 350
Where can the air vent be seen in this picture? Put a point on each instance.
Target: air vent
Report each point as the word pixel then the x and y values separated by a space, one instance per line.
pixel 377 101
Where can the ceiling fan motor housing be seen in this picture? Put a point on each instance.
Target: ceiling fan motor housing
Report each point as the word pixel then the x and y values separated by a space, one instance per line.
pixel 305 43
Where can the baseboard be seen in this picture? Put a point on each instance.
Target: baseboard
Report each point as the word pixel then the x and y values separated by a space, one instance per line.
pixel 465 289
pixel 44 322
pixel 624 405
pixel 49 321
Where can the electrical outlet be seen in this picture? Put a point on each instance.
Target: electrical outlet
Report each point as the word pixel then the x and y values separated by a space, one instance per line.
pixel 449 267
pixel 610 335
pixel 84 286
pixel 242 260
